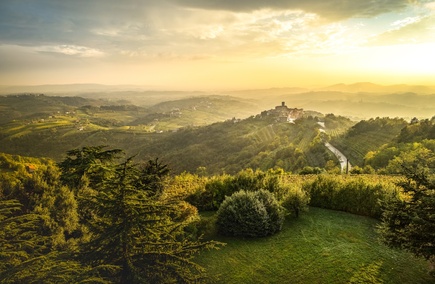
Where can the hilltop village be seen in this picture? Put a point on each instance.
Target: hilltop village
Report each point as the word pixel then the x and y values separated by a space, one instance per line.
pixel 283 113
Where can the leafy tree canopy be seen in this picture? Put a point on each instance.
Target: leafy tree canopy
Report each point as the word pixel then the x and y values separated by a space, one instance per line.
pixel 409 222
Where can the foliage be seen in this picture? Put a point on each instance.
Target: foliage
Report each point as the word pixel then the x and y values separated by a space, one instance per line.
pixel 310 170
pixel 296 201
pixel 18 237
pixel 409 222
pixel 216 188
pixel 250 214
pixel 367 135
pixel 213 194
pixel 133 224
pixel 126 226
pixel 390 158
pixel 26 256
pixel 35 184
pixel 90 162
pixel 414 132
pixel 359 195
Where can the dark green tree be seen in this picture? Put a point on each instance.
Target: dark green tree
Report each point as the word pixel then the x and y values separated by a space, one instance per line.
pixel 18 238
pixel 94 162
pixel 26 256
pixel 151 177
pixel 134 225
pixel 409 222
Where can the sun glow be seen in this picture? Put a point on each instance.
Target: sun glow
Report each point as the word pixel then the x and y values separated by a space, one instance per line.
pixel 205 45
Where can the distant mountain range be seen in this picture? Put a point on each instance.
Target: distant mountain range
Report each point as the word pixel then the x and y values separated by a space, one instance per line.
pixel 360 87
pixel 67 88
pixel 367 87
pixel 358 101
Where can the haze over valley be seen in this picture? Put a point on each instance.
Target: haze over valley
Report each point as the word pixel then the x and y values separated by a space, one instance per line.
pixel 212 141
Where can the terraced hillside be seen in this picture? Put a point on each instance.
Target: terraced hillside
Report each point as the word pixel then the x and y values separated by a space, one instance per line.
pixel 40 125
pixel 171 131
pixel 368 136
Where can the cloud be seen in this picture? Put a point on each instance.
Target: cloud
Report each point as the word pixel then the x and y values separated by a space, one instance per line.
pixel 72 50
pixel 78 22
pixel 404 22
pixel 117 25
pixel 410 30
pixel 172 30
pixel 331 9
pixel 82 34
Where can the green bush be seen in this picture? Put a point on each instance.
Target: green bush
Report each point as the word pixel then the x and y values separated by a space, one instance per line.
pixel 250 214
pixel 322 191
pixel 360 195
pixel 296 201
pixel 213 193
pixel 210 197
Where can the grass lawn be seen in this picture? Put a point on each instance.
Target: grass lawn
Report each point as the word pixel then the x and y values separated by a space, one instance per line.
pixel 322 246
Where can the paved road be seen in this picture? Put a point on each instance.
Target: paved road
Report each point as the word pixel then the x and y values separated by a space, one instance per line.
pixel 340 156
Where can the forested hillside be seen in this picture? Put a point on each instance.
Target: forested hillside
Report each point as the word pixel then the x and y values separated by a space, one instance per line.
pixel 256 142
pixel 205 133
pixel 368 135
pixel 387 145
pixel 171 131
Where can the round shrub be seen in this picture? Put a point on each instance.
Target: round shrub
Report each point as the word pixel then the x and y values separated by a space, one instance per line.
pixel 250 214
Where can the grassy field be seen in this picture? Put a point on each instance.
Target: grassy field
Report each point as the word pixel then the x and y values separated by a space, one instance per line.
pixel 322 246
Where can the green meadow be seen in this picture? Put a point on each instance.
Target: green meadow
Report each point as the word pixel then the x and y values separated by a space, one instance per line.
pixel 322 246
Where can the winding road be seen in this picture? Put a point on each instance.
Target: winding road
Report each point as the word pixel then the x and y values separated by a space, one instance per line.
pixel 340 156
pixel 344 163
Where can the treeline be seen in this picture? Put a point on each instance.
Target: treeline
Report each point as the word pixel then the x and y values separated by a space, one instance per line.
pixel 377 145
pixel 403 203
pixel 357 194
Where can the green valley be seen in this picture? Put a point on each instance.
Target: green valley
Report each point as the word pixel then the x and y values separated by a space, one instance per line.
pixel 73 170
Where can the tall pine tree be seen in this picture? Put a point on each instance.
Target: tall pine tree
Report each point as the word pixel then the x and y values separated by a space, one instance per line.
pixel 26 256
pixel 136 226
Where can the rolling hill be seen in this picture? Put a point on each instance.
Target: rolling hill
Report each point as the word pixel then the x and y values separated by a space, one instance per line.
pixel 219 133
pixel 186 133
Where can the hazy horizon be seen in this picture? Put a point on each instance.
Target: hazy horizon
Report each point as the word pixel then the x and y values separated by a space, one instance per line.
pixel 216 45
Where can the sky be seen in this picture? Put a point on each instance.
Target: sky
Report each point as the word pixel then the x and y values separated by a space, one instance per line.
pixel 217 44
